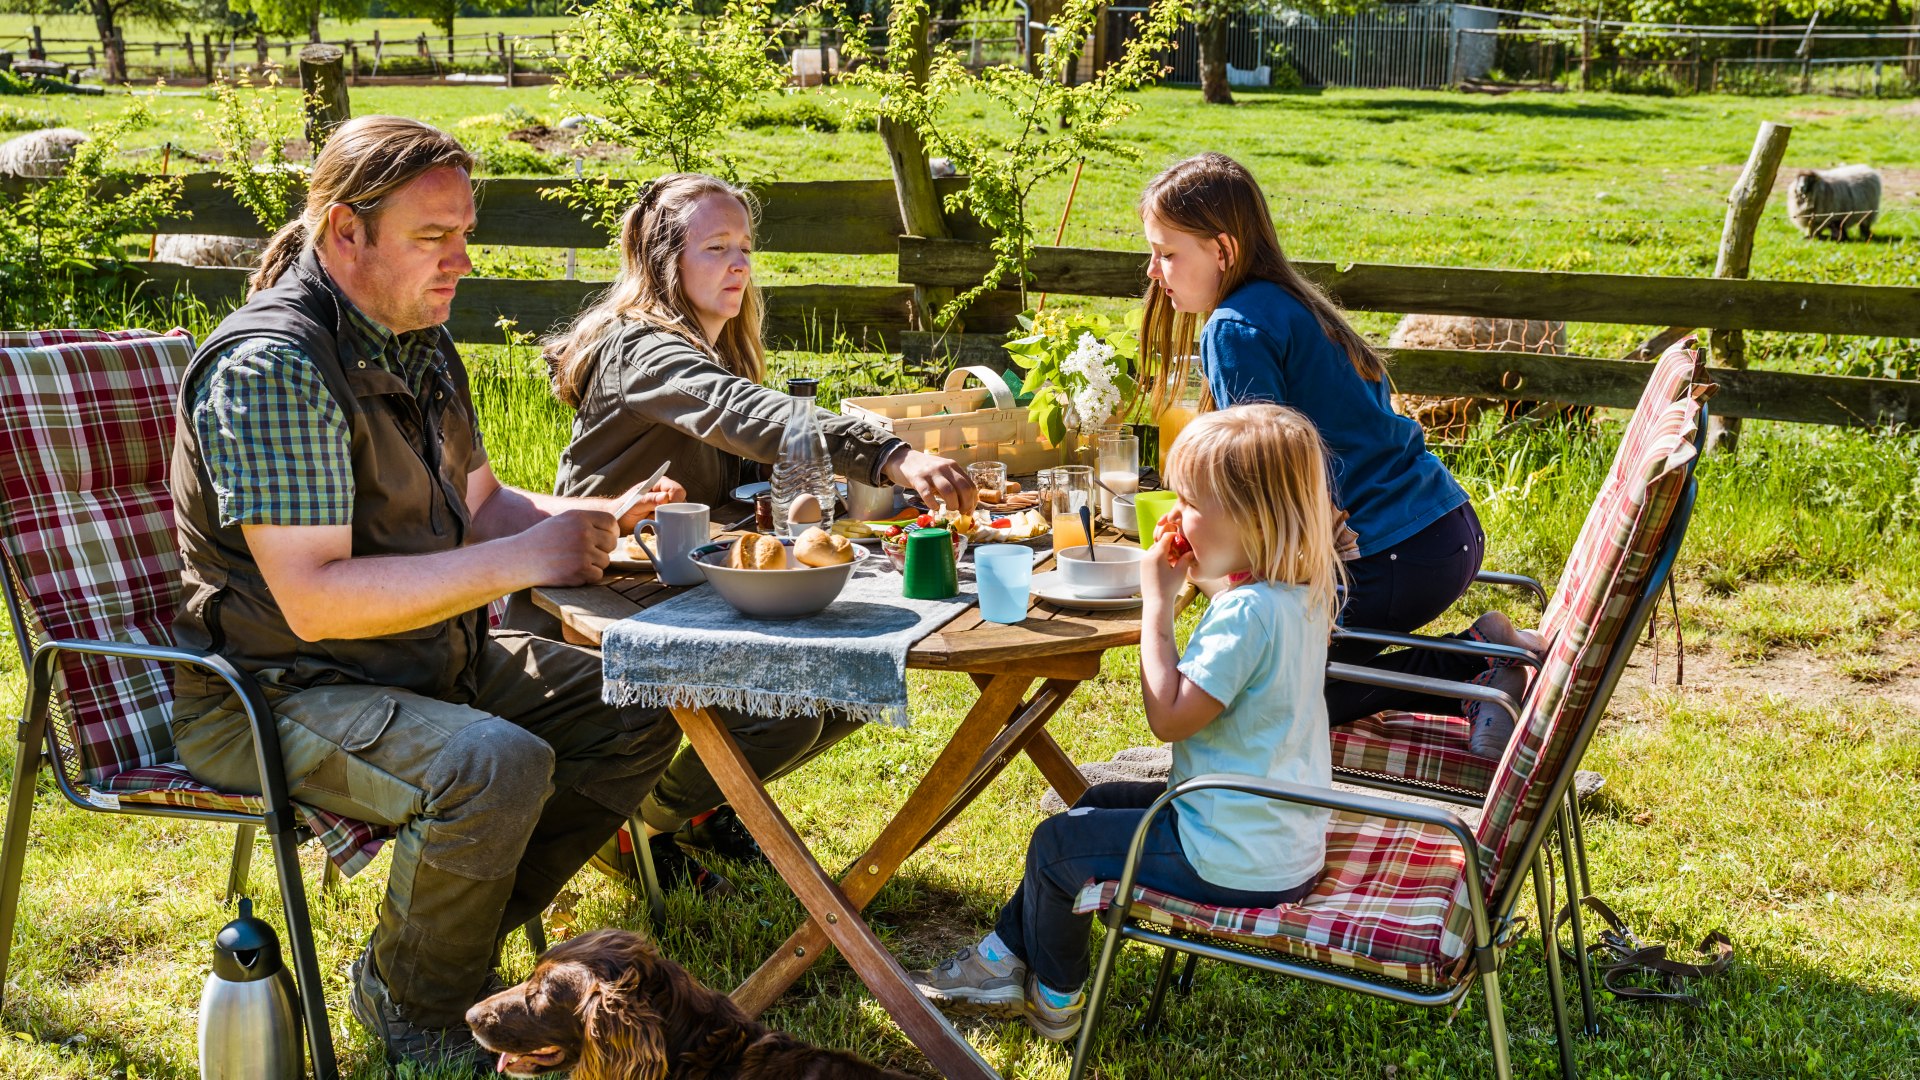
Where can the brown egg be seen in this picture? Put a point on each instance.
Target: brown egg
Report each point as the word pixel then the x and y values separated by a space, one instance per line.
pixel 804 510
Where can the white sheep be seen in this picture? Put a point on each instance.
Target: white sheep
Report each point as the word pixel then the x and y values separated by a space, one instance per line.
pixel 199 249
pixel 42 153
pixel 1830 201
pixel 1450 418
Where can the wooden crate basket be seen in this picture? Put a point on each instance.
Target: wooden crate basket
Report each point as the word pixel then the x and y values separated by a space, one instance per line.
pixel 962 423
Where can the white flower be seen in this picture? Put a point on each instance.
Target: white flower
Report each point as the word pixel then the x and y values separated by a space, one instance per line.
pixel 1091 394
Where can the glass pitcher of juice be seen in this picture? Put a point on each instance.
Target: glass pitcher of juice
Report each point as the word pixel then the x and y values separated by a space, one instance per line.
pixel 1182 408
pixel 1066 490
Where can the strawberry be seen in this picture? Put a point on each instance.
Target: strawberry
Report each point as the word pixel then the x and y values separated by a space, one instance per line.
pixel 924 521
pixel 1179 549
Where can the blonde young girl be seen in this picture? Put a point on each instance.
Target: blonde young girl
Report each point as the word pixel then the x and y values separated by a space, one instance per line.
pixel 1222 289
pixel 1254 510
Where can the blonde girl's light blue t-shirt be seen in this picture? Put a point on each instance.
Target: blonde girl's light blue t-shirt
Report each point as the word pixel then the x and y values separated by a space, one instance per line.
pixel 1262 652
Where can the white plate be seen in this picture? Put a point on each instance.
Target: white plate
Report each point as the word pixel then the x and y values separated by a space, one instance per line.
pixel 745 492
pixel 1049 587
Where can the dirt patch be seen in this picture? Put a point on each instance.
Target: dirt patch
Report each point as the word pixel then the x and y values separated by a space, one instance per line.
pixel 1892 675
pixel 1910 110
pixel 563 141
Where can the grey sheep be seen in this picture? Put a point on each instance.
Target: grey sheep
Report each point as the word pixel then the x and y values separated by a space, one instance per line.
pixel 198 249
pixel 1830 201
pixel 42 153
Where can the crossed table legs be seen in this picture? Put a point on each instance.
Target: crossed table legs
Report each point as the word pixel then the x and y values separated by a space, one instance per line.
pixel 1002 723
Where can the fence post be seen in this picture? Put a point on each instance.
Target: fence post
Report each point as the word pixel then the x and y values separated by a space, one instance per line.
pixel 323 78
pixel 1586 54
pixel 506 51
pixel 39 50
pixel 912 180
pixel 353 64
pixel 1913 45
pixel 1744 206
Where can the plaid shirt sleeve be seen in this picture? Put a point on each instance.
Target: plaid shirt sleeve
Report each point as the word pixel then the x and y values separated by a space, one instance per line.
pixel 273 439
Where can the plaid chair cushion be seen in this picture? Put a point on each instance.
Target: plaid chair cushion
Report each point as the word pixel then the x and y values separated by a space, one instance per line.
pixel 87 531
pixel 1599 590
pixel 1391 902
pixel 1423 747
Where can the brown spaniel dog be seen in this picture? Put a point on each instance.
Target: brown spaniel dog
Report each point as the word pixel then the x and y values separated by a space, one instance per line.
pixel 607 1006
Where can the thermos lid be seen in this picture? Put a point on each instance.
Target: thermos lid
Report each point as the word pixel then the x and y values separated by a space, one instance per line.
pixel 246 950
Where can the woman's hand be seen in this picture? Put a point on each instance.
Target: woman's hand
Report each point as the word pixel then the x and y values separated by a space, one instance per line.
pixel 667 490
pixel 1163 573
pixel 935 479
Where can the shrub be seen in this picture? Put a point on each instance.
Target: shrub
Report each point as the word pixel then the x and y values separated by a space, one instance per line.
pixel 803 112
pixel 509 157
pixel 17 120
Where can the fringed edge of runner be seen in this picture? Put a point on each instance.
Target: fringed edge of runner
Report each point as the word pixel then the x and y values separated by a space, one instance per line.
pixel 620 693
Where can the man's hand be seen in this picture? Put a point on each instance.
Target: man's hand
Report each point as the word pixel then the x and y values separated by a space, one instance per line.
pixel 668 490
pixel 570 548
pixel 935 479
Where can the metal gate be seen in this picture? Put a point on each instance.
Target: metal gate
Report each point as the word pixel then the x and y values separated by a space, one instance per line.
pixel 1403 45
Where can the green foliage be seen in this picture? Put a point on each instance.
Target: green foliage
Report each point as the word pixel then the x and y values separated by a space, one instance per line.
pixel 1067 358
pixel 242 120
pixel 59 239
pixel 800 112
pixel 1055 125
pixel 669 82
pixel 293 18
pixel 443 12
pixel 510 157
pixel 14 85
pixel 20 120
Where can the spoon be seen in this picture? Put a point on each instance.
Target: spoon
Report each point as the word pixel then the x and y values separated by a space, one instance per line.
pixel 1086 526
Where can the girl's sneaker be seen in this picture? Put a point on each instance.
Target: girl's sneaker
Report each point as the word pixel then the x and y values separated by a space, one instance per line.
pixel 1492 727
pixel 1054 1023
pixel 968 980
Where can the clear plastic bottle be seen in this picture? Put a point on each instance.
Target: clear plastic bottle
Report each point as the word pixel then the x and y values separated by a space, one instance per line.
pixel 804 468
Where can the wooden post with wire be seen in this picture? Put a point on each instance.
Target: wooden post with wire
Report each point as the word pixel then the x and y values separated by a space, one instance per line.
pixel 323 76
pixel 166 156
pixel 920 212
pixel 1060 234
pixel 1745 203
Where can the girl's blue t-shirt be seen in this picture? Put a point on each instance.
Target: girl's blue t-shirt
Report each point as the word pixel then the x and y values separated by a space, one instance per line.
pixel 1262 344
pixel 1260 651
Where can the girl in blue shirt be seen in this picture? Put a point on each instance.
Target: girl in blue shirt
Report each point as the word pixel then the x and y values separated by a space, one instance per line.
pixel 1255 510
pixel 1266 333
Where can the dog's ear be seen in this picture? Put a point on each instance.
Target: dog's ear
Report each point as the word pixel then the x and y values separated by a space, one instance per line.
pixel 625 1038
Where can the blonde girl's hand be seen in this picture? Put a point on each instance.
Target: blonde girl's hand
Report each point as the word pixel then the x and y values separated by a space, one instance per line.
pixel 1169 523
pixel 1162 573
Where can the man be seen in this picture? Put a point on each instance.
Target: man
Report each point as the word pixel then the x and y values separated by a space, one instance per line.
pixel 342 532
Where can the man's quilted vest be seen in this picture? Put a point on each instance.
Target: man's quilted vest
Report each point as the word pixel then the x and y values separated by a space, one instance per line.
pixel 410 464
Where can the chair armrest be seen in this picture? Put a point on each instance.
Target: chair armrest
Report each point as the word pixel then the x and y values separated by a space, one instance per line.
pixel 266 737
pixel 1515 581
pixel 1454 645
pixel 1354 802
pixel 1420 684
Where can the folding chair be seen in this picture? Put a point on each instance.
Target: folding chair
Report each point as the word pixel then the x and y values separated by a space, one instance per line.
pixel 1415 905
pixel 1427 755
pixel 91 578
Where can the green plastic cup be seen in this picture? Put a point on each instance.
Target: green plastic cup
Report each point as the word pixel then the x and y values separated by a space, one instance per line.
pixel 930 572
pixel 1149 507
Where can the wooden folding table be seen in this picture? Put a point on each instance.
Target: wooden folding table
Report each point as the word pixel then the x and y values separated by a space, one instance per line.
pixel 1055 648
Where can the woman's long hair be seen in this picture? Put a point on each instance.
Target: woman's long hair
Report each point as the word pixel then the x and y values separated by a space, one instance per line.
pixel 1206 196
pixel 1266 468
pixel 653 234
pixel 365 160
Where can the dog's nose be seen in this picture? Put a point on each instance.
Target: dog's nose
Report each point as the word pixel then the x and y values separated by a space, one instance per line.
pixel 479 1014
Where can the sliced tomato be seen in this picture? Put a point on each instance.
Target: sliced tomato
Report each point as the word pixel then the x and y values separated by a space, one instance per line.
pixel 924 521
pixel 999 523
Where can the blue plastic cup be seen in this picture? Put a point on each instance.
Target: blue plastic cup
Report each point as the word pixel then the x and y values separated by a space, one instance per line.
pixel 1005 575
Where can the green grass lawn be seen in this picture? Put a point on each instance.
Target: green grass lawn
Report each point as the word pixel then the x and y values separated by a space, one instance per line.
pixel 1768 796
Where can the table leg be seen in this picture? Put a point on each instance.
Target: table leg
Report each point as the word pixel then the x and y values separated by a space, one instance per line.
pixel 1057 767
pixel 945 1049
pixel 901 837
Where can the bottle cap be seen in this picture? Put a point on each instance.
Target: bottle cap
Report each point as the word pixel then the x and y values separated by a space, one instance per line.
pixel 246 949
pixel 803 387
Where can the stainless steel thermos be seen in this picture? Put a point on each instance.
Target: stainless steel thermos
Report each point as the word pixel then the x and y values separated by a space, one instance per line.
pixel 250 1011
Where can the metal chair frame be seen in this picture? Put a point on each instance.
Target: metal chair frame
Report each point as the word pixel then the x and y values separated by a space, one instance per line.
pixel 1490 932
pixel 38 740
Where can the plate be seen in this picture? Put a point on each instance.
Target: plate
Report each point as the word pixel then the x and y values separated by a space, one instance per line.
pixel 745 492
pixel 627 555
pixel 1049 587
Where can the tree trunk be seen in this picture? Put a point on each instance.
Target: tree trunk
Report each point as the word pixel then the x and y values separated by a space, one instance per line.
pixel 1210 30
pixel 103 21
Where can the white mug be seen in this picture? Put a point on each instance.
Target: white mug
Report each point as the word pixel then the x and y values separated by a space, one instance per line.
pixel 677 528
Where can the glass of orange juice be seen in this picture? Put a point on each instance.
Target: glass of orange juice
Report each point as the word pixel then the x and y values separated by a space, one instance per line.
pixel 1064 491
pixel 1181 408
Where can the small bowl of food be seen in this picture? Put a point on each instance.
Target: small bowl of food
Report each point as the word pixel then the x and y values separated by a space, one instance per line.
pixel 1111 572
pixel 893 540
pixel 766 577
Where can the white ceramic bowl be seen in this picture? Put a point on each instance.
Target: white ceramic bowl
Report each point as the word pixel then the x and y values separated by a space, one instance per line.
pixel 1125 515
pixel 1115 573
pixel 775 594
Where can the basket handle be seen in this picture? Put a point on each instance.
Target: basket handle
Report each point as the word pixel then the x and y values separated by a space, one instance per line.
pixel 996 386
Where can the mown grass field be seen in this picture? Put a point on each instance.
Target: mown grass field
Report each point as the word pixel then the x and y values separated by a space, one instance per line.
pixel 1767 797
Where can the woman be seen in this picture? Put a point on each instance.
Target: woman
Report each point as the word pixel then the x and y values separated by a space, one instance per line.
pixel 1265 333
pixel 667 366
